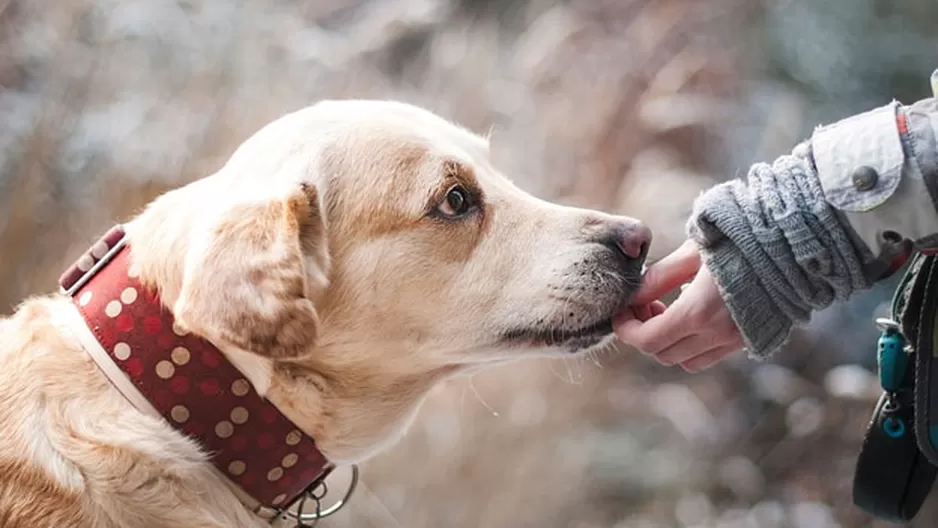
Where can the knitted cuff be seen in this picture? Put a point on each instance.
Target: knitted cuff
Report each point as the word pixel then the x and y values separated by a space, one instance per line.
pixel 764 327
pixel 776 248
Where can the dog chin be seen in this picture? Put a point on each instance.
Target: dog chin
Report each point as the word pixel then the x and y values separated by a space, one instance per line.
pixel 572 340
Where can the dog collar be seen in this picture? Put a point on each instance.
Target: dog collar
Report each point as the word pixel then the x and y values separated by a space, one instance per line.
pixel 187 381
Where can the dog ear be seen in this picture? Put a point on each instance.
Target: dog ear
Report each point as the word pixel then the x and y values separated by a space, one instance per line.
pixel 247 280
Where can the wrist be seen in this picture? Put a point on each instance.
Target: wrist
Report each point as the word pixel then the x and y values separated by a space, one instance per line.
pixel 764 327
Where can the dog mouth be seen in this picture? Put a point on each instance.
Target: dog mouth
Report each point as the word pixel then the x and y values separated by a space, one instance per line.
pixel 573 339
pixel 613 297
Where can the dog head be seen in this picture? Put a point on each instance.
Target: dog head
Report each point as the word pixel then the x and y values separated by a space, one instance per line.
pixel 376 242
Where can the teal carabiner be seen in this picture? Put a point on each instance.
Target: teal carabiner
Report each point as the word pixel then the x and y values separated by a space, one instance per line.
pixel 891 357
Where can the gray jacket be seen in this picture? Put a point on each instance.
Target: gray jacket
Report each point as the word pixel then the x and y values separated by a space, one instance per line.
pixel 840 212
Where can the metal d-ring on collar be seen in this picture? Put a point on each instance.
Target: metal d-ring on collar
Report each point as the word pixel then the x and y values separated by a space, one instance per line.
pixel 316 492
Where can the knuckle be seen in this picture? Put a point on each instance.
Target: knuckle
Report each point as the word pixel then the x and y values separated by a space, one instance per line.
pixel 645 344
pixel 690 367
pixel 665 360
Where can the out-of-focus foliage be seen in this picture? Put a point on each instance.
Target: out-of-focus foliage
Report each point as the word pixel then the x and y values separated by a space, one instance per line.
pixel 631 106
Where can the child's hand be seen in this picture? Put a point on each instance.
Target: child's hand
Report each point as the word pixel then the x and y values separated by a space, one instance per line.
pixel 696 331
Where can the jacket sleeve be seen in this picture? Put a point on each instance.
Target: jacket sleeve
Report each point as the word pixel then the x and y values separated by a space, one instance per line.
pixel 840 212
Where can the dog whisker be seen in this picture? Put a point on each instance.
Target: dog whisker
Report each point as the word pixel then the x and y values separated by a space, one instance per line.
pixel 479 396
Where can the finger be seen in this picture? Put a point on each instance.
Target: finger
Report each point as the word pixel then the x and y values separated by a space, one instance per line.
pixel 642 313
pixel 667 326
pixel 655 334
pixel 668 273
pixel 646 311
pixel 688 348
pixel 709 358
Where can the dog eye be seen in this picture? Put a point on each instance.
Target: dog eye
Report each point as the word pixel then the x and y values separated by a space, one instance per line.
pixel 458 202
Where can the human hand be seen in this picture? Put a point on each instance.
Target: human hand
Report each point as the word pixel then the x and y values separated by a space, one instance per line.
pixel 696 331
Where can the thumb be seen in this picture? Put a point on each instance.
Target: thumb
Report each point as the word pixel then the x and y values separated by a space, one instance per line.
pixel 678 267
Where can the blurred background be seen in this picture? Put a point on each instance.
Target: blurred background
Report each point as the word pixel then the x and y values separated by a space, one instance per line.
pixel 632 106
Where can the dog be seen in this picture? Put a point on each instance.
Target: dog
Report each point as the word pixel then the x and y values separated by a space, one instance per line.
pixel 345 259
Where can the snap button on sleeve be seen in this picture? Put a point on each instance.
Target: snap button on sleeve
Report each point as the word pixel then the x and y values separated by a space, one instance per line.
pixel 864 178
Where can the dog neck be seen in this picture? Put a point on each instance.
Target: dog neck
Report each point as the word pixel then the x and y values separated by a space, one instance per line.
pixel 337 393
pixel 354 410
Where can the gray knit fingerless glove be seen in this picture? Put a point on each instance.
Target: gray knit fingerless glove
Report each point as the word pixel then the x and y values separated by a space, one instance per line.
pixel 777 250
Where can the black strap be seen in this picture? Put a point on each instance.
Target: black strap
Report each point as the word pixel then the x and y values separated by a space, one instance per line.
pixel 926 368
pixel 893 476
pixel 926 409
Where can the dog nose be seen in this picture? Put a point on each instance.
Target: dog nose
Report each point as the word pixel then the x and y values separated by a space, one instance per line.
pixel 632 239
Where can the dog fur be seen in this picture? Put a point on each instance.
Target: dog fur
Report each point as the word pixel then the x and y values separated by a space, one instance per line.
pixel 324 259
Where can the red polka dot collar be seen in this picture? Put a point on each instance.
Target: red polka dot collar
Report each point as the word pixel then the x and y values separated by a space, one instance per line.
pixel 187 381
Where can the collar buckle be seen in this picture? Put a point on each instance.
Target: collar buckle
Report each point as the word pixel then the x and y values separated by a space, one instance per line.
pixel 92 260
